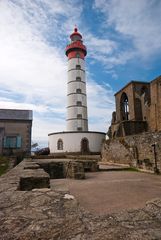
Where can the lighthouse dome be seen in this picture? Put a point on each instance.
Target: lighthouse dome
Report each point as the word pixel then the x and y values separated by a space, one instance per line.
pixel 76 36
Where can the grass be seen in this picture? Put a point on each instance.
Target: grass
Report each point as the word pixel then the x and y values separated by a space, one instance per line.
pixel 129 169
pixel 4 164
pixel 133 169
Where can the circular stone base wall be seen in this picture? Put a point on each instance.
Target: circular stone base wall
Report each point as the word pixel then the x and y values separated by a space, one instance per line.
pixel 76 142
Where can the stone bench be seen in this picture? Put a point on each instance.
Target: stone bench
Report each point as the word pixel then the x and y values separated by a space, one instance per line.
pixel 33 178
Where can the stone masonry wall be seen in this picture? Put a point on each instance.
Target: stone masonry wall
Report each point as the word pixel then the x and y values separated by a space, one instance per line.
pixel 135 150
pixel 155 108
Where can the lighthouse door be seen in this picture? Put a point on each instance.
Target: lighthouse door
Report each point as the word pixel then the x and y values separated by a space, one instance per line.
pixel 84 146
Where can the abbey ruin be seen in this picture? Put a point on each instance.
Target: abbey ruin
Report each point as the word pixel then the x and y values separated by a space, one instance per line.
pixel 135 131
pixel 138 108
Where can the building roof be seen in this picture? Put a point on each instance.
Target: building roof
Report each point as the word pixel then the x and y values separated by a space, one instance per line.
pixel 15 114
pixel 156 79
pixel 132 82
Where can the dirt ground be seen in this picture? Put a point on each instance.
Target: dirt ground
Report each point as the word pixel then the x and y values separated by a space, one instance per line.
pixel 110 192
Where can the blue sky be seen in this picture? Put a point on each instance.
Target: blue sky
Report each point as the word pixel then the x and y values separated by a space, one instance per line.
pixel 123 40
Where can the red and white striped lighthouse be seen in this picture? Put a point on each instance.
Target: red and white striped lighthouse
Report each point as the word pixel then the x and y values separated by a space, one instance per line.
pixel 77 119
pixel 77 138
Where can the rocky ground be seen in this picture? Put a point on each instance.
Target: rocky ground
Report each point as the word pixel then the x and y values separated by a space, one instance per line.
pixel 48 214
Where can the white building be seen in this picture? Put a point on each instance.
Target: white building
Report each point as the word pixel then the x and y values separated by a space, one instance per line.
pixel 77 138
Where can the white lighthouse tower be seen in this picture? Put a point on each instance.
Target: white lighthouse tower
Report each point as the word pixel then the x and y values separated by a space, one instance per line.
pixel 77 139
pixel 77 119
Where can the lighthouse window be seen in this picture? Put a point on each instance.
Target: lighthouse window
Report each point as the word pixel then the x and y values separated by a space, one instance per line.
pixel 77 55
pixel 79 116
pixel 78 90
pixel 60 144
pixel 78 79
pixel 79 103
pixel 78 67
pixel 79 128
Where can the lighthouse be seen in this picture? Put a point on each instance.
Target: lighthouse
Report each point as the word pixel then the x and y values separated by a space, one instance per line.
pixel 77 119
pixel 77 139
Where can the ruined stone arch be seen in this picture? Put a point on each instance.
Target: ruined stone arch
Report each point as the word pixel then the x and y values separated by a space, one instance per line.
pixel 124 107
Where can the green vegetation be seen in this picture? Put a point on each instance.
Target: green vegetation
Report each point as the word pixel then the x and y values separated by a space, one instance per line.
pixel 132 169
pixel 4 164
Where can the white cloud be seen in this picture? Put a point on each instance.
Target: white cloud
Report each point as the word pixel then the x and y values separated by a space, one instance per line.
pixel 100 105
pixel 103 46
pixel 8 103
pixel 43 126
pixel 137 20
pixel 101 50
pixel 33 67
pixel 107 52
pixel 27 64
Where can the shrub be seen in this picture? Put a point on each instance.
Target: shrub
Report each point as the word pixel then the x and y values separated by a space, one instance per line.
pixel 4 164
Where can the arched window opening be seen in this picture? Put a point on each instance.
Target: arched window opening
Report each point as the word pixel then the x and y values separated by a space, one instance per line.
pixel 124 107
pixel 60 144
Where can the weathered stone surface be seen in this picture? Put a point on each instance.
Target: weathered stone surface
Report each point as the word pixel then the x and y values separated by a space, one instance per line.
pixel 44 214
pixel 89 165
pixel 75 170
pixel 36 178
pixel 61 168
pixel 54 167
pixel 31 166
pixel 135 150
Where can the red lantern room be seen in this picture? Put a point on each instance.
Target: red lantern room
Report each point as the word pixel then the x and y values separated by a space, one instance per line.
pixel 76 48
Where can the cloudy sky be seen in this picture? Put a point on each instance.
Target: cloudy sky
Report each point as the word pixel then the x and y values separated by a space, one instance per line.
pixel 123 40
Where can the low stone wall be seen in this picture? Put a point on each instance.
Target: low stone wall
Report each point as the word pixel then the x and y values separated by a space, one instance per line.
pixel 62 168
pixel 135 150
pixel 32 176
pixel 54 169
